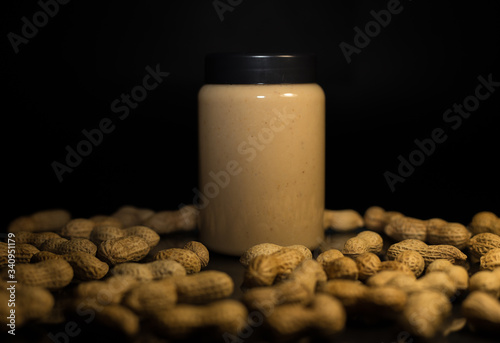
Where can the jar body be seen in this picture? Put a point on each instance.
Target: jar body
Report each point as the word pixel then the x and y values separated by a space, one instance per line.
pixel 261 165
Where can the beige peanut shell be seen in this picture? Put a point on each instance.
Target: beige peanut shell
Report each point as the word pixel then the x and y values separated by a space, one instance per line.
pixel 366 241
pixel 121 250
pixel 164 222
pixel 325 316
pixel 425 313
pixel 342 268
pixel 131 215
pixel 487 281
pixel 45 220
pixel 187 258
pixel 368 264
pixel 428 252
pixel 270 248
pixel 78 228
pixel 264 269
pixel 481 243
pixel 85 266
pixel 151 270
pixel 22 253
pixel 51 274
pixel 34 238
pixel 485 221
pixel 413 260
pixel 482 311
pixel 222 317
pixel 342 220
pixel 376 218
pixel 490 260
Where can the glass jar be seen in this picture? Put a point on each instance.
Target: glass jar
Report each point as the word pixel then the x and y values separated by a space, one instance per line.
pixel 261 121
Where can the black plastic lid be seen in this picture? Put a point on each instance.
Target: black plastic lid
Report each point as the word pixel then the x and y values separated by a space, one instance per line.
pixel 248 68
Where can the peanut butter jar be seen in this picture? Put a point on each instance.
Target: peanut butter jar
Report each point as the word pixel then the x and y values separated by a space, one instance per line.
pixel 261 130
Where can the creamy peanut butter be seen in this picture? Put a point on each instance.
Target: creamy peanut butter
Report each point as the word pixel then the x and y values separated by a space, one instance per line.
pixel 261 165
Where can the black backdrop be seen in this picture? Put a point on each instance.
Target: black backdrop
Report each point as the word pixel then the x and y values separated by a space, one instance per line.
pixel 395 90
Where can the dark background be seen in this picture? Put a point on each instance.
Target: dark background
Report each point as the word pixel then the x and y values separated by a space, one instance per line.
pixel 395 91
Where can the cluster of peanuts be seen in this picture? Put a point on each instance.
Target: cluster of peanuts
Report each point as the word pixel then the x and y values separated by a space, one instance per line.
pixel 107 267
pixel 393 267
pixel 415 279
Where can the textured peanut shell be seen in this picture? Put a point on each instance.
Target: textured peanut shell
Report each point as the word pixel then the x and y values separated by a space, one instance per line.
pixel 328 256
pixel 51 274
pixel 103 233
pixel 85 266
pixel 263 269
pixel 23 253
pixel 200 250
pixel 149 235
pixel 413 260
pixel 187 258
pixel 451 234
pixel 366 241
pixel 78 228
pixel 34 238
pixel 395 265
pixel 481 243
pixel 342 268
pixel 268 249
pixel 490 260
pixel 400 228
pixel 63 246
pixel 368 264
pixel 121 250
pixel 300 287
pixel 428 252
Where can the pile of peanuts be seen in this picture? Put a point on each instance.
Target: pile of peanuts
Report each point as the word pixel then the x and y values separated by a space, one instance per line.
pixel 392 268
